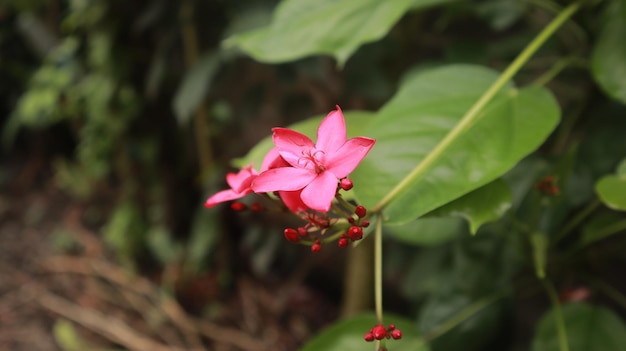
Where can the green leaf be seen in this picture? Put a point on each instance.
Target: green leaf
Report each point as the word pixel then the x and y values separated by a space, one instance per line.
pixel 588 328
pixel 347 335
pixel 195 86
pixel 302 28
pixel 355 123
pixel 612 188
pixel 67 337
pixel 608 59
pixel 427 107
pixel 429 231
pixel 485 204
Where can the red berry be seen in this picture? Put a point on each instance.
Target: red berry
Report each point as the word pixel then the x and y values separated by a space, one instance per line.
pixel 291 235
pixel 368 337
pixel 350 220
pixel 391 327
pixel 343 243
pixel 355 233
pixel 238 206
pixel 316 247
pixel 396 334
pixel 360 211
pixel 379 332
pixel 302 231
pixel 365 224
pixel 346 184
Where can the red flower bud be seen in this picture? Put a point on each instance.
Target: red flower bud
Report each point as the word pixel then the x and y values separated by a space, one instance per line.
pixel 368 337
pixel 355 233
pixel 238 206
pixel 360 211
pixel 316 247
pixel 396 334
pixel 379 332
pixel 365 224
pixel 302 231
pixel 346 184
pixel 291 235
pixel 342 243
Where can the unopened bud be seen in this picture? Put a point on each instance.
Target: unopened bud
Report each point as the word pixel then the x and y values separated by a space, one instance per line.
pixel 346 184
pixel 291 235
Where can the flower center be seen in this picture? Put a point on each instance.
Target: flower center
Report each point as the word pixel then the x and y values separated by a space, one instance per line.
pixel 313 159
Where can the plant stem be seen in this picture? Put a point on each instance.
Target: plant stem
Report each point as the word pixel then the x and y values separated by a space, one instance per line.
pixel 201 117
pixel 473 114
pixel 558 314
pixel 465 314
pixel 574 222
pixel 378 269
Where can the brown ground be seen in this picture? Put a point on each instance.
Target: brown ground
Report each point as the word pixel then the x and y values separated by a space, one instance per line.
pixel 43 286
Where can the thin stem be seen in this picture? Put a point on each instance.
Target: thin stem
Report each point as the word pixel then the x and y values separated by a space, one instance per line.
pixel 465 314
pixel 558 314
pixel 473 114
pixel 574 222
pixel 378 269
pixel 201 116
pixel 558 67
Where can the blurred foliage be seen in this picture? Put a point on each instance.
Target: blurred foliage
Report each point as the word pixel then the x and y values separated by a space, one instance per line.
pixel 142 105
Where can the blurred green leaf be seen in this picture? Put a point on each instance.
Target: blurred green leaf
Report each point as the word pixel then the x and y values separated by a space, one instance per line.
pixel 195 86
pixel 589 328
pixel 347 335
pixel 608 59
pixel 355 124
pixel 66 336
pixel 161 244
pixel 612 188
pixel 485 204
pixel 204 234
pixel 428 105
pixel 428 231
pixel 302 28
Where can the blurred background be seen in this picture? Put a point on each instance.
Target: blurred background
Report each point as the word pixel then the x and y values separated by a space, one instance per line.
pixel 120 117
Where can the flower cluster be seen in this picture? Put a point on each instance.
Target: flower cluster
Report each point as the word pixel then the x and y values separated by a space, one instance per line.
pixel 379 332
pixel 306 178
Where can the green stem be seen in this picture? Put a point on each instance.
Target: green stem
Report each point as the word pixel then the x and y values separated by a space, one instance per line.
pixel 473 114
pixel 465 314
pixel 558 314
pixel 378 269
pixel 574 222
pixel 558 67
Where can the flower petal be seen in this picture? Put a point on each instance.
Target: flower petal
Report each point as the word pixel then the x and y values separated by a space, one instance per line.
pixel 273 160
pixel 345 160
pixel 241 180
pixel 283 178
pixel 320 193
pixel 292 200
pixel 331 133
pixel 223 196
pixel 291 144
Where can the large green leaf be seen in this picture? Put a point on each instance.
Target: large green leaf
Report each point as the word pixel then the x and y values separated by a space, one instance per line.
pixel 485 204
pixel 355 123
pixel 428 231
pixel 347 335
pixel 608 60
pixel 589 328
pixel 426 108
pixel 301 28
pixel 612 188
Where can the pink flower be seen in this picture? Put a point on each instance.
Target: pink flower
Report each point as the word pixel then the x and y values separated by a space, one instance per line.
pixel 315 168
pixel 240 186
